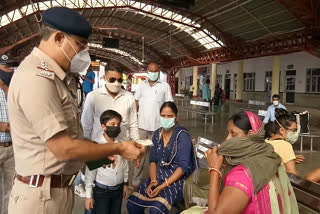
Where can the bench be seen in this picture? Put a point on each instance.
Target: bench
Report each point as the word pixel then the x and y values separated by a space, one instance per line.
pixel 180 98
pixel 195 103
pixel 307 194
pixel 257 102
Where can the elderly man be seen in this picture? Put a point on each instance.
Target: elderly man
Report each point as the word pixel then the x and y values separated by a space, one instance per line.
pixel 150 95
pixel 6 150
pixel 47 137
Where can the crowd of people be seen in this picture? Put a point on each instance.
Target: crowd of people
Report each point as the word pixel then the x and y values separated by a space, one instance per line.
pixel 51 139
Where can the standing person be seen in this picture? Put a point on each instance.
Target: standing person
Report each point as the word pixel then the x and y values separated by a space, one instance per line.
pixel 88 81
pixel 270 116
pixel 110 97
pixel 6 150
pixel 191 88
pixel 106 186
pixel 206 92
pixel 217 99
pixel 172 160
pixel 149 96
pixel 46 133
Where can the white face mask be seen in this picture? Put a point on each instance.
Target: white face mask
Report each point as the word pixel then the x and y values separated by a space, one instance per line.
pixel 80 62
pixel 275 102
pixel 113 87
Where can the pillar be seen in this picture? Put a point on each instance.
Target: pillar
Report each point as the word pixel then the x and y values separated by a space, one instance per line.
pixel 239 81
pixel 213 78
pixel 180 81
pixel 275 75
pixel 195 81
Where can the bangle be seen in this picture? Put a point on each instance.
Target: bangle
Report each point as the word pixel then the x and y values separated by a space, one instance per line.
pixel 153 181
pixel 166 182
pixel 216 170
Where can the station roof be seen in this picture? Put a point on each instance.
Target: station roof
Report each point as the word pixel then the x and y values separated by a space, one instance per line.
pixel 162 32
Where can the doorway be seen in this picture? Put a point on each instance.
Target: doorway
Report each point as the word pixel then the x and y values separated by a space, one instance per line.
pixel 290 86
pixel 227 85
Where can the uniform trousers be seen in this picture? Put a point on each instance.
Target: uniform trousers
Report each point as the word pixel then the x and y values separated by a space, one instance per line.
pixel 6 176
pixel 41 200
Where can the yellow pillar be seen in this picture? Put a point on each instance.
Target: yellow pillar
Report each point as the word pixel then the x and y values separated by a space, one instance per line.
pixel 195 81
pixel 239 81
pixel 180 81
pixel 213 78
pixel 275 75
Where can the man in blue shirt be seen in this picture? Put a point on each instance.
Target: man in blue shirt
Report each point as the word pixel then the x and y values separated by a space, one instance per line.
pixel 6 150
pixel 88 82
pixel 271 109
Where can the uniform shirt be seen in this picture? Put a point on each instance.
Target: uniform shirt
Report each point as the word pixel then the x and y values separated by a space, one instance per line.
pixel 271 113
pixel 40 106
pixel 106 176
pixel 99 101
pixel 206 93
pixel 150 100
pixel 4 118
pixel 283 149
pixel 87 85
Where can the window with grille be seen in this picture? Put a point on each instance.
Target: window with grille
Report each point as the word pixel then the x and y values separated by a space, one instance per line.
pixel 313 80
pixel 268 81
pixel 249 81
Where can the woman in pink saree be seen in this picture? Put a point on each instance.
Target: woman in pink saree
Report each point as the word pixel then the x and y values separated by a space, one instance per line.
pixel 253 180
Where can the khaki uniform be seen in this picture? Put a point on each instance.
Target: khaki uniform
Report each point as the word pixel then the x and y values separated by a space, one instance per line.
pixel 40 106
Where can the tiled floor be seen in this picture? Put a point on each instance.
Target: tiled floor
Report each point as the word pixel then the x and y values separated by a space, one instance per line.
pixel 217 132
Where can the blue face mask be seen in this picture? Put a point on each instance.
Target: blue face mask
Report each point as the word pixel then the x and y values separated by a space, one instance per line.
pixel 153 76
pixel 167 123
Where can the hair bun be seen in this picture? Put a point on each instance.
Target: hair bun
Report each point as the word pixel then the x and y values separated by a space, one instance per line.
pixel 280 112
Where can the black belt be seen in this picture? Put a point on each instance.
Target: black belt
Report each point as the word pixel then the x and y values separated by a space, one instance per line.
pixel 6 144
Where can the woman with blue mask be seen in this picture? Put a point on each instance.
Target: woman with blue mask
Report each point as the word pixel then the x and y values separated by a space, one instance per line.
pixel 172 160
pixel 281 134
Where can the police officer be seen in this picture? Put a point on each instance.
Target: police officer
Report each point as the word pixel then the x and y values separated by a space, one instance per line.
pixel 46 133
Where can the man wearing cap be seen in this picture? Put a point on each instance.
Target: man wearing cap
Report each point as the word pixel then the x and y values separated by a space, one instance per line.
pixel 45 126
pixel 6 151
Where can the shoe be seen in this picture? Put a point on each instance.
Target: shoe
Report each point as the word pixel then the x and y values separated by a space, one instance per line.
pixel 79 190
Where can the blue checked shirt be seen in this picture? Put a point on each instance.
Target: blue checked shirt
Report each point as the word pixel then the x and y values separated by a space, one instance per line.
pixel 4 117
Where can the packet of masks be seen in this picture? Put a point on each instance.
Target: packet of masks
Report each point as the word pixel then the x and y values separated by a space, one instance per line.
pixel 146 142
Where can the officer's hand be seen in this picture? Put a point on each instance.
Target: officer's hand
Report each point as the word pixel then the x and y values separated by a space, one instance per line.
pixel 131 150
pixel 89 203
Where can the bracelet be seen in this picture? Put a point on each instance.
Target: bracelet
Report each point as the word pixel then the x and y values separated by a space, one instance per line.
pixel 216 170
pixel 166 182
pixel 153 181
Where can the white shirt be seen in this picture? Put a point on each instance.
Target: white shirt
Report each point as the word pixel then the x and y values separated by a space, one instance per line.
pixel 150 100
pixel 106 176
pixel 99 101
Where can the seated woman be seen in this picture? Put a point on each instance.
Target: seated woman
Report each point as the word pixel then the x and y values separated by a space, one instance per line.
pixel 281 133
pixel 172 160
pixel 252 177
pixel 196 186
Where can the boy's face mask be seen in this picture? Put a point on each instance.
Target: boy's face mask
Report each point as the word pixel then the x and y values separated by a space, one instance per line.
pixel 113 131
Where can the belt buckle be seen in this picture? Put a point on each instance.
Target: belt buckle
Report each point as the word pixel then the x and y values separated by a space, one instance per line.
pixel 71 180
pixel 37 181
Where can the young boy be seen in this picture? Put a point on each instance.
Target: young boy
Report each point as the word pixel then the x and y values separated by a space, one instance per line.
pixel 106 186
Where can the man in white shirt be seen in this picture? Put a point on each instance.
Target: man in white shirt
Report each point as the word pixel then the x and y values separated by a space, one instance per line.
pixel 149 96
pixel 110 97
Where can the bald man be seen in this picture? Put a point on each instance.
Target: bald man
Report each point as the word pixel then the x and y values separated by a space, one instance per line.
pixel 149 96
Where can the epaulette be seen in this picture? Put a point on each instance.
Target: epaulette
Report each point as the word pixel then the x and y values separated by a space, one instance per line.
pixel 44 71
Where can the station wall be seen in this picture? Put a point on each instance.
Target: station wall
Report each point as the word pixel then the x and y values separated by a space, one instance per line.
pixel 298 62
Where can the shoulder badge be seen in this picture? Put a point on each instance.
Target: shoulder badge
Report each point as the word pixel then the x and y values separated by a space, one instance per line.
pixel 44 71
